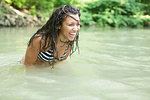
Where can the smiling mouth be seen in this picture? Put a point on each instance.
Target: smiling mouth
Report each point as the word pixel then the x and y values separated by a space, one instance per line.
pixel 72 35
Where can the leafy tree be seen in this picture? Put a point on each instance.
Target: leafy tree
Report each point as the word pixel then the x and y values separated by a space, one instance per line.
pixel 116 13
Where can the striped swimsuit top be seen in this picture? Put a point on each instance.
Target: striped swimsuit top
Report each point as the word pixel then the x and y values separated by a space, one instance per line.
pixel 48 56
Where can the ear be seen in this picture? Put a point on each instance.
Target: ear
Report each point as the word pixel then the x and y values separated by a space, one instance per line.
pixel 59 27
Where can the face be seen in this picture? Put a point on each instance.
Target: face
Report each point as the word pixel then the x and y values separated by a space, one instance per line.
pixel 70 27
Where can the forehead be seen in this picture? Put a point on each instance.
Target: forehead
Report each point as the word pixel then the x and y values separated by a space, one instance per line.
pixel 72 18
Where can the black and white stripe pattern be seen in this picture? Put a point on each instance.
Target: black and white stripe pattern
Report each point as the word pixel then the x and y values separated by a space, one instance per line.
pixel 63 55
pixel 48 56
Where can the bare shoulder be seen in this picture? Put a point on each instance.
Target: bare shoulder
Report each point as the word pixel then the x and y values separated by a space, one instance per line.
pixel 37 42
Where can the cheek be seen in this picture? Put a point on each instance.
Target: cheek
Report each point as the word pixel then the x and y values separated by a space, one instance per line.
pixel 68 29
pixel 79 28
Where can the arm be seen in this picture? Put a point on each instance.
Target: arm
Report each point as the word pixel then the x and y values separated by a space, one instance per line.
pixel 32 52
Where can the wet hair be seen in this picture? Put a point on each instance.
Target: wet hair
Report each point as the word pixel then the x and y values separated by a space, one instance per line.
pixel 50 31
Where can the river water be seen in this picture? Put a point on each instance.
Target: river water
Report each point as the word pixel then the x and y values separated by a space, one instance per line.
pixel 113 64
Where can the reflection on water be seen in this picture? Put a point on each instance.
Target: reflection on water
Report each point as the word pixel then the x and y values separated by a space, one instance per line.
pixel 112 65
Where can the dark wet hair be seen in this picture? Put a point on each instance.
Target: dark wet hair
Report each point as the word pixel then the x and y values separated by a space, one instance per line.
pixel 50 30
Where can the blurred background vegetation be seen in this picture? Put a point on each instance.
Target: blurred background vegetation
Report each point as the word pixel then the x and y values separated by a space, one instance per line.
pixel 102 13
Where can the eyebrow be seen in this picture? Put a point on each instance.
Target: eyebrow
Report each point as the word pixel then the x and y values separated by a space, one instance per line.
pixel 74 18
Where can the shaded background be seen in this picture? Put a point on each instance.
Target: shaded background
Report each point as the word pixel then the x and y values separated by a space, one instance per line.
pixel 102 13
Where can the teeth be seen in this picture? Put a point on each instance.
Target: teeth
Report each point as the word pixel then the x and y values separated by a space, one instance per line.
pixel 73 33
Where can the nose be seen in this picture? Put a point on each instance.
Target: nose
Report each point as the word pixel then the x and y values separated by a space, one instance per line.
pixel 76 28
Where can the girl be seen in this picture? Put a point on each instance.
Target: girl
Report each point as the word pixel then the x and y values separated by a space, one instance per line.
pixel 55 40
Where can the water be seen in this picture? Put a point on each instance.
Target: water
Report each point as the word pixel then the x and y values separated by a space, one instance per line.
pixel 112 65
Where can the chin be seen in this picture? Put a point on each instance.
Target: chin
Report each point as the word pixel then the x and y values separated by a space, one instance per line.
pixel 71 39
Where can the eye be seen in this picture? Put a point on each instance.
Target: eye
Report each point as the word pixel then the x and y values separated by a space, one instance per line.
pixel 70 24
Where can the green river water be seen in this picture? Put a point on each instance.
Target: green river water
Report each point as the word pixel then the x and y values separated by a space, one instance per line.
pixel 113 64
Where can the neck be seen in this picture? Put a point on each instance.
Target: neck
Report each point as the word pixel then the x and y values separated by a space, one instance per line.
pixel 61 40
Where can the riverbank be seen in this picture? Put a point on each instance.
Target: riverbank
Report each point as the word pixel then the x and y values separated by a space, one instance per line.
pixel 13 17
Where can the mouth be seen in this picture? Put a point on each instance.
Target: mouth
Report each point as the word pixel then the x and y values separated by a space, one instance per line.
pixel 72 35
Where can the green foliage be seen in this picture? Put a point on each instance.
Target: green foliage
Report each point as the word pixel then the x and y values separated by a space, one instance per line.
pixel 20 4
pixel 115 13
pixel 59 3
pixel 3 10
pixel 8 1
pixel 86 18
pixel 40 5
pixel 35 6
pixel 147 2
pixel 105 13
